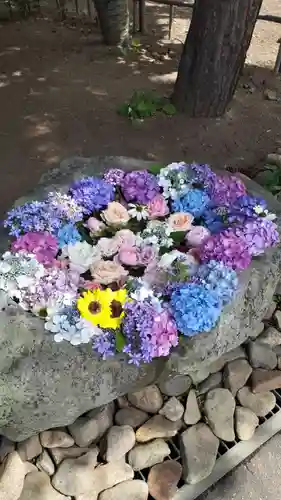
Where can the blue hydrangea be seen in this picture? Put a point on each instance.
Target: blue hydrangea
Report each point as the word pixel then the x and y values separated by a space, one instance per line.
pixel 104 345
pixel 68 235
pixel 215 220
pixel 195 309
pixel 244 208
pixel 92 193
pixel 220 279
pixel 194 202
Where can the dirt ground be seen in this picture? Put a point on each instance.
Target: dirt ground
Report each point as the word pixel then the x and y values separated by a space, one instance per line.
pixel 60 87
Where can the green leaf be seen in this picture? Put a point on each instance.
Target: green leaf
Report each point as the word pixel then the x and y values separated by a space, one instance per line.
pixel 169 109
pixel 119 341
pixel 178 236
pixel 123 109
pixel 155 169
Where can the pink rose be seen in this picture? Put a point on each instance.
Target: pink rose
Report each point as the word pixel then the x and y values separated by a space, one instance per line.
pixel 128 255
pixel 125 237
pixel 146 255
pixel 197 235
pixel 180 221
pixel 95 226
pixel 107 247
pixel 157 207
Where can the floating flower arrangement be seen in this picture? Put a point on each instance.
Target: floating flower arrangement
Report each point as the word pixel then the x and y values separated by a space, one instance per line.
pixel 133 261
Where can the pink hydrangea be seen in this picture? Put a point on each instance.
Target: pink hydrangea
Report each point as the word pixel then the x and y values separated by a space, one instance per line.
pixel 43 246
pixel 227 248
pixel 258 234
pixel 225 189
pixel 164 334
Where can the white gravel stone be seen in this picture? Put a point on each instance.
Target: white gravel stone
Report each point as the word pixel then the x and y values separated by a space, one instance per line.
pixel 131 416
pixel 30 448
pixel 236 374
pixel 172 409
pixel 261 403
pixel 12 474
pixel 59 454
pixel 199 447
pixel 45 463
pixel 74 476
pixel 146 455
pixel 157 427
pixel 246 422
pixel 119 440
pixel 219 408
pixel 56 439
pixel 148 399
pixel 192 414
pixel 37 486
pixel 175 385
pixel 261 356
pixel 128 490
pixel 91 427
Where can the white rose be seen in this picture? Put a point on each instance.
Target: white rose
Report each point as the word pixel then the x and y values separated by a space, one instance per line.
pixel 81 255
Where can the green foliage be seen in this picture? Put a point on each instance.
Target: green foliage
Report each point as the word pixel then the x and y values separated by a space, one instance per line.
pixel 119 341
pixel 155 169
pixel 270 179
pixel 178 236
pixel 144 104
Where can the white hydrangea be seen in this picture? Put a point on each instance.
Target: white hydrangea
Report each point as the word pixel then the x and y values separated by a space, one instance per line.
pixel 72 328
pixel 157 233
pixel 19 271
pixel 175 180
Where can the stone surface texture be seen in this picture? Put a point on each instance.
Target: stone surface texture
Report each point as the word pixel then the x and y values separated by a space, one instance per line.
pixel 37 486
pixel 119 440
pixel 219 408
pixel 131 416
pixel 199 447
pixel 262 356
pixel 271 337
pixel 265 380
pixel 75 475
pixel 48 376
pixel 214 381
pixel 128 490
pixel 29 448
pixel 12 474
pixel 45 463
pixel 92 426
pixel 172 409
pixel 56 439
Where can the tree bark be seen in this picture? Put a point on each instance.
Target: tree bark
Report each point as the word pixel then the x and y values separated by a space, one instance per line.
pixel 113 16
pixel 213 55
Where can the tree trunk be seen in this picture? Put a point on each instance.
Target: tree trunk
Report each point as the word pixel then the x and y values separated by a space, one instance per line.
pixel 213 55
pixel 113 16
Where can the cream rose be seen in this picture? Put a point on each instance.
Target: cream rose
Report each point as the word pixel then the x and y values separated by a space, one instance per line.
pixel 106 272
pixel 180 221
pixel 108 247
pixel 115 215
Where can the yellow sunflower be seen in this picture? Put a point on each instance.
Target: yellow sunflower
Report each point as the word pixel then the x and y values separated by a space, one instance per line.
pixel 103 308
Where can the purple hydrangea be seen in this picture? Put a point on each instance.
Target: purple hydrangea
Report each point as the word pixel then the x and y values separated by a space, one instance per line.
pixel 114 176
pixel 92 193
pixel 225 189
pixel 203 174
pixel 195 309
pixel 244 208
pixel 137 328
pixel 140 186
pixel 258 234
pixel 228 248
pixel 65 207
pixel 33 216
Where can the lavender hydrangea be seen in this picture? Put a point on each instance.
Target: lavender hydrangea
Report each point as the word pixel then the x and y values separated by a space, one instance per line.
pixel 140 187
pixel 114 176
pixel 137 328
pixel 258 234
pixel 220 279
pixel 65 207
pixel 92 194
pixel 195 309
pixel 194 201
pixel 202 173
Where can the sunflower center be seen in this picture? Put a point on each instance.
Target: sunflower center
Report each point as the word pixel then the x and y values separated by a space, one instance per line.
pixel 116 309
pixel 94 307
